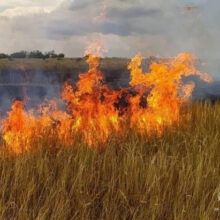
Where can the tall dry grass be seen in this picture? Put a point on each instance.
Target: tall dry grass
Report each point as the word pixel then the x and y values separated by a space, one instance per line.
pixel 176 176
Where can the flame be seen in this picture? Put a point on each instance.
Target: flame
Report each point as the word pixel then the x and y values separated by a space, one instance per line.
pixel 164 85
pixel 92 105
pixel 94 111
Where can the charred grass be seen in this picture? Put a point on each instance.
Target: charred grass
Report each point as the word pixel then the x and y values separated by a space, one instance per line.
pixel 176 176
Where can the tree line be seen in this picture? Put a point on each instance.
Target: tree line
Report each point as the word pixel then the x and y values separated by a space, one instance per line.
pixel 33 54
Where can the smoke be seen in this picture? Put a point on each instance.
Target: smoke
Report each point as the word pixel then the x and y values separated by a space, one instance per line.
pixel 154 28
pixel 33 86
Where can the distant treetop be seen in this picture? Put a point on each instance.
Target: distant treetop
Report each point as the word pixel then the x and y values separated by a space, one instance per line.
pixel 33 54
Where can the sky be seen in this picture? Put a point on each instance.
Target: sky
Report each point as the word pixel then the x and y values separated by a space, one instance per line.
pixel 161 28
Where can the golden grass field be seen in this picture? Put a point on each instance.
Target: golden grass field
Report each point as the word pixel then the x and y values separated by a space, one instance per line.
pixel 176 176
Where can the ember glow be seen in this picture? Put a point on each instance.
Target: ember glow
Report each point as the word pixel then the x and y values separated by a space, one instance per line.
pixel 94 111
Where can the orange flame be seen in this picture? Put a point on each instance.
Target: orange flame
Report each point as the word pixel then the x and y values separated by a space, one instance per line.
pixel 163 83
pixel 95 111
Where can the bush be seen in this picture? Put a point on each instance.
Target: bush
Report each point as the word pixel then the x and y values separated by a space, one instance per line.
pixel 21 54
pixel 3 56
pixel 36 54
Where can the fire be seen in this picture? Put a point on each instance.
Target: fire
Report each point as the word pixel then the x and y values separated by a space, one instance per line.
pixel 164 85
pixel 94 111
pixel 92 105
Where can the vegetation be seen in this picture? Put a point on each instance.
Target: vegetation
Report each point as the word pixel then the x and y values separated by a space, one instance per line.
pixel 3 56
pixel 176 176
pixel 111 66
pixel 33 54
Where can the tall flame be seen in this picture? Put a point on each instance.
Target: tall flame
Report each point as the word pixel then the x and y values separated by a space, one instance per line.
pixel 163 84
pixel 95 111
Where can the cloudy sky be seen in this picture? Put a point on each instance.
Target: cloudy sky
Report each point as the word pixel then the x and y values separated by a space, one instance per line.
pixel 126 27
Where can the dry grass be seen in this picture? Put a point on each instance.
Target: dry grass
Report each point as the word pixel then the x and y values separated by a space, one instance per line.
pixel 173 177
pixel 66 65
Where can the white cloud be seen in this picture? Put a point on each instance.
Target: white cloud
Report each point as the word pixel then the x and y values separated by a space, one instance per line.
pixel 24 11
pixel 14 8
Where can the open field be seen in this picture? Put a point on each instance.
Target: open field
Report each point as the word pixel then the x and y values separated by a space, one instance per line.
pixel 176 176
pixel 65 65
pixel 57 71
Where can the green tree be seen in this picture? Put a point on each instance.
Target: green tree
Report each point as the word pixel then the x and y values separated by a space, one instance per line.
pixel 3 56
pixel 21 54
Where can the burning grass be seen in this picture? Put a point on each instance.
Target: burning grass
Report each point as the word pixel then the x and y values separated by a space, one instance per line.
pixel 138 153
pixel 96 111
pixel 175 176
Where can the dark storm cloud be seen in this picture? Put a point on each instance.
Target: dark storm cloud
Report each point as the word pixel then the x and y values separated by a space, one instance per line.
pixel 133 12
pixel 81 4
pixel 60 29
pixel 122 21
pixel 76 18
